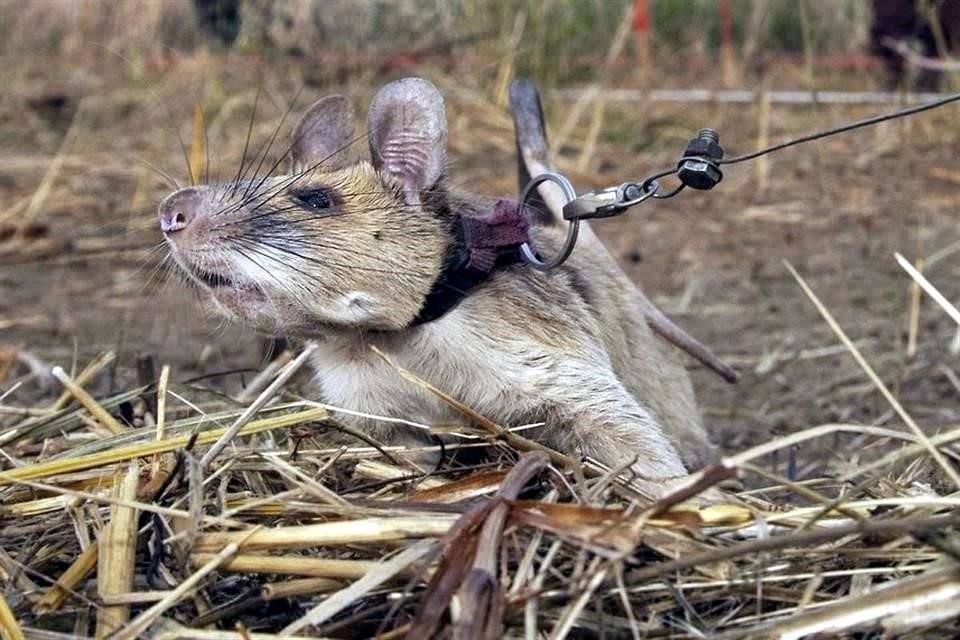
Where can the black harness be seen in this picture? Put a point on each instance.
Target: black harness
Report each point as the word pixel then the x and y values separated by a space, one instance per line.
pixel 484 244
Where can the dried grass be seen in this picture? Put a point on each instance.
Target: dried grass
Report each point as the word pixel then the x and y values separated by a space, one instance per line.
pixel 294 539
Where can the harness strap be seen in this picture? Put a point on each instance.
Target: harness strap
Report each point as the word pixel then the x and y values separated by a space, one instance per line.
pixel 486 243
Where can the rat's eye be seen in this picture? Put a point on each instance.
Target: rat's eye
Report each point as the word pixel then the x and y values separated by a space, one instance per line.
pixel 318 199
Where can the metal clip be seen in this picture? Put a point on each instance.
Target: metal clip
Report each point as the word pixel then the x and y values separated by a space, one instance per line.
pixel 601 203
pixel 609 202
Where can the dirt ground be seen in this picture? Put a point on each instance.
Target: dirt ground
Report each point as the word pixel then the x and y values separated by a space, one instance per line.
pixel 81 148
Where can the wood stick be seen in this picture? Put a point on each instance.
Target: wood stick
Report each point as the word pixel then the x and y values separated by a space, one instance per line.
pixel 78 570
pixel 145 449
pixel 161 416
pixel 53 170
pixel 482 610
pixel 9 629
pixel 290 565
pixel 913 315
pixel 257 404
pixel 94 367
pixel 118 546
pixel 331 533
pixel 916 602
pixel 135 597
pixel 593 134
pixel 927 286
pixel 262 379
pixel 186 633
pixel 102 415
pixel 897 526
pixel 505 73
pixel 762 165
pixel 299 587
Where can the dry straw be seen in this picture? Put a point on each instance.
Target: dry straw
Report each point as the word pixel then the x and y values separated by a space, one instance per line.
pixel 525 542
pixel 520 542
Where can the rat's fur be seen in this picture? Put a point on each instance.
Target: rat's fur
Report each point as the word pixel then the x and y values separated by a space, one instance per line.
pixel 570 347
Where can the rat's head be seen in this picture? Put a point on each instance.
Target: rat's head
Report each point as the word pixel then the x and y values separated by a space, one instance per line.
pixel 336 243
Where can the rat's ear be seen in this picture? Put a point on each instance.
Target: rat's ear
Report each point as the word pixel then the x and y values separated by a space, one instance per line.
pixel 324 135
pixel 407 127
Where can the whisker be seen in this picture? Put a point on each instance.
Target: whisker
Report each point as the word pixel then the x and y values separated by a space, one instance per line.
pixel 206 151
pixel 246 142
pixel 157 272
pixel 270 142
pixel 301 242
pixel 396 207
pixel 297 176
pixel 186 155
pixel 160 172
pixel 329 263
pixel 284 286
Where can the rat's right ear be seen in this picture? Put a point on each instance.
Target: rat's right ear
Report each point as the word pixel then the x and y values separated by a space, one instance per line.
pixel 407 127
pixel 324 135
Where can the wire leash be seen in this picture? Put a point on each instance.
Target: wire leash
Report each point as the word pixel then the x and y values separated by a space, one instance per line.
pixel 698 168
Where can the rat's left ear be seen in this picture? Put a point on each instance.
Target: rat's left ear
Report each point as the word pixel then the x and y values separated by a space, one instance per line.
pixel 407 128
pixel 324 135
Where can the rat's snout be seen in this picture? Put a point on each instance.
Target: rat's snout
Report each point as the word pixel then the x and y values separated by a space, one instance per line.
pixel 179 209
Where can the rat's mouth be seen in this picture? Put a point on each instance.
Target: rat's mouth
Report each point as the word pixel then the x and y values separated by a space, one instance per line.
pixel 236 295
pixel 213 280
pixel 228 288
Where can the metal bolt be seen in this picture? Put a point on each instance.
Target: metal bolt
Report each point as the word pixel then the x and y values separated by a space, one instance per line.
pixel 699 167
pixel 699 174
pixel 709 134
pixel 632 192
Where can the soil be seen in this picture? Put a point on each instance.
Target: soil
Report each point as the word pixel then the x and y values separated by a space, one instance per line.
pixel 79 246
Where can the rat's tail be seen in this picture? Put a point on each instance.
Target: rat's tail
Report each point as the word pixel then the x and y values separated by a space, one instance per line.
pixel 533 152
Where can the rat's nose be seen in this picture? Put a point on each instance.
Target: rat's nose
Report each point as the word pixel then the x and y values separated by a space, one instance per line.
pixel 179 209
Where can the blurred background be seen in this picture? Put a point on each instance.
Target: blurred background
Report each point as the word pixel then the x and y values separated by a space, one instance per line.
pixel 106 105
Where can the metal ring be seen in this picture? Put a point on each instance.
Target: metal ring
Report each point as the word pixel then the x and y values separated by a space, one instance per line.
pixel 526 251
